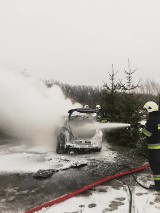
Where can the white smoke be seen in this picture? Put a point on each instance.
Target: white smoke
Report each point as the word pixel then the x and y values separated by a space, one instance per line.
pixel 29 109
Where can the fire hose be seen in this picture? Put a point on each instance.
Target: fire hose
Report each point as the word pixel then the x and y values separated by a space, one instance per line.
pixel 72 194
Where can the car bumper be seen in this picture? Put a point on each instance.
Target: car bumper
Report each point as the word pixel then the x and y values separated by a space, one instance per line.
pixel 83 145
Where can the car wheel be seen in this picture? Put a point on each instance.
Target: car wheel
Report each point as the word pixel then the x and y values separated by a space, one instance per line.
pixel 99 149
pixel 60 149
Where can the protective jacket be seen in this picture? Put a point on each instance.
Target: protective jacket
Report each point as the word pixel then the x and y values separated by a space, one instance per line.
pixel 152 133
pixel 152 130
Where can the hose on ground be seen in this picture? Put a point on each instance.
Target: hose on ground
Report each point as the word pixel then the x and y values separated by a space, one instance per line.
pixel 130 194
pixel 72 194
pixel 129 189
pixel 145 187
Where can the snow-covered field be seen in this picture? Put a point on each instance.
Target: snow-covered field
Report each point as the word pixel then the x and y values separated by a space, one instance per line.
pixel 101 199
pixel 24 159
pixel 112 200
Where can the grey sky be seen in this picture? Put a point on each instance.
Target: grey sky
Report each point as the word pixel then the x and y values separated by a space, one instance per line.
pixel 77 41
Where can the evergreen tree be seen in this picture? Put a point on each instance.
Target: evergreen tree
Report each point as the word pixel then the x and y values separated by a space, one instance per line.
pixel 125 106
pixel 110 96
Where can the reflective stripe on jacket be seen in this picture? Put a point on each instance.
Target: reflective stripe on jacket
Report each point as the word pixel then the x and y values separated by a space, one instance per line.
pixel 154 146
pixel 147 133
pixel 156 177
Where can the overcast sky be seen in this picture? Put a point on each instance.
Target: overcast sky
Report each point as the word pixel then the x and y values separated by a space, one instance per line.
pixel 77 41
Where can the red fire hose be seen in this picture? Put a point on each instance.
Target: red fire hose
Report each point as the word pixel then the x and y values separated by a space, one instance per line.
pixel 72 194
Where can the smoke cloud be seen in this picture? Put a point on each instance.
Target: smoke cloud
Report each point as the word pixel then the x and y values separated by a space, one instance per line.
pixel 29 109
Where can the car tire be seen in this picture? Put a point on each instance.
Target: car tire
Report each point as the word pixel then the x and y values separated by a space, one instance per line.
pixel 60 149
pixel 99 149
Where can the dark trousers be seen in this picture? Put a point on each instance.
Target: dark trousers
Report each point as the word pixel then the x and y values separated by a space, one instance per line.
pixel 154 161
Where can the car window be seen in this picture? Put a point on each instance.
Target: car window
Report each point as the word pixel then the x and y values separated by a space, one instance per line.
pixel 82 116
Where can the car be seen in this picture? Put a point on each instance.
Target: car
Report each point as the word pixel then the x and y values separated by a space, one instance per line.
pixel 80 132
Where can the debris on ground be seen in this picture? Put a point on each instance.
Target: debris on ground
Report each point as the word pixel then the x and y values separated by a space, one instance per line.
pixel 42 173
pixel 46 173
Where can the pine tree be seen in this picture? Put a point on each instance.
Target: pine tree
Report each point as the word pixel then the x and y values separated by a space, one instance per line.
pixel 110 95
pixel 124 106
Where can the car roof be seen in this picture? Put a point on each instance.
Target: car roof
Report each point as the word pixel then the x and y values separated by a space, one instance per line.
pixel 82 110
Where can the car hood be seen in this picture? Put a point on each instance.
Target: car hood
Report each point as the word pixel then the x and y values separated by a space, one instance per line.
pixel 82 129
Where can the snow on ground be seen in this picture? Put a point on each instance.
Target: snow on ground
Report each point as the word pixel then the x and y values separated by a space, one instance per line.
pixel 146 201
pixel 107 199
pixel 102 199
pixel 24 159
pixel 99 201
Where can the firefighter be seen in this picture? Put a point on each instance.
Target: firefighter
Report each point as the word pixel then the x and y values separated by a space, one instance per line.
pixel 152 133
pixel 99 113
pixel 86 106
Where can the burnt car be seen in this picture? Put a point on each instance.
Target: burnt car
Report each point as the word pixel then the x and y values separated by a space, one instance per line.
pixel 80 132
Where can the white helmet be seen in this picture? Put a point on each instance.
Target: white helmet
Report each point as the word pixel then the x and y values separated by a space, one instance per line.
pixel 98 107
pixel 86 106
pixel 151 106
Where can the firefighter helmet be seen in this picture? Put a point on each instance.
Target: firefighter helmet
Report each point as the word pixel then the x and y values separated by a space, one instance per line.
pixel 86 106
pixel 151 106
pixel 98 107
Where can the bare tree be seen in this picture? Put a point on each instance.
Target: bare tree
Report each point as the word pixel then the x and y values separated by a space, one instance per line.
pixel 151 89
